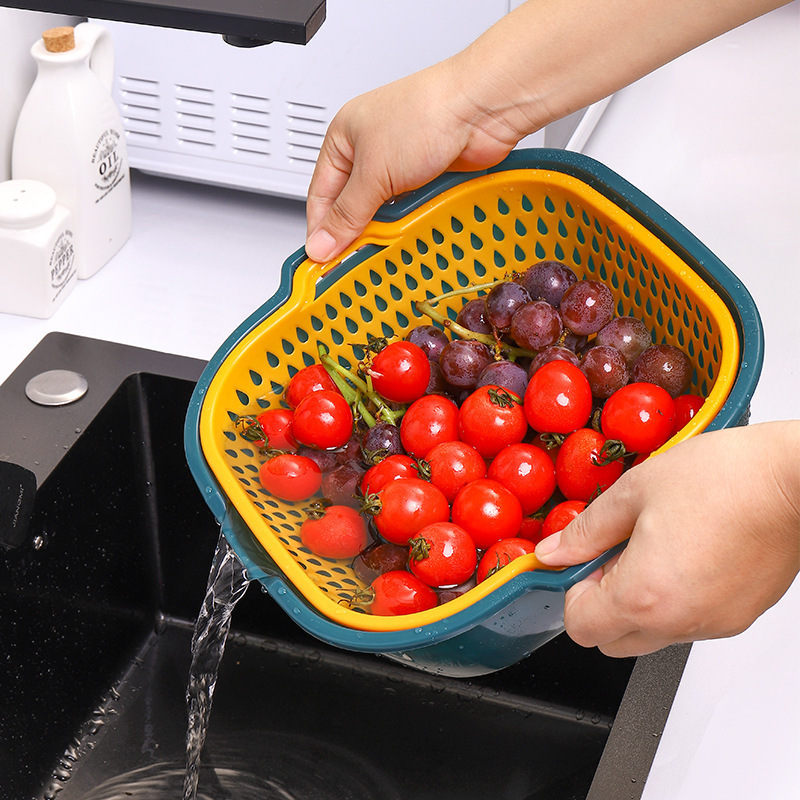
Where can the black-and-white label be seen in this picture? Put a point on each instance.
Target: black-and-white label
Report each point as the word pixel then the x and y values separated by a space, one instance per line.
pixel 108 162
pixel 62 262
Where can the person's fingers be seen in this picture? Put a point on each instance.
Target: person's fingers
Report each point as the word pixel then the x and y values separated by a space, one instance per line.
pixel 592 615
pixel 350 207
pixel 605 522
pixel 331 173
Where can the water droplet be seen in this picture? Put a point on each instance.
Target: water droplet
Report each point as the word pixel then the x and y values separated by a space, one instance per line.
pixel 579 714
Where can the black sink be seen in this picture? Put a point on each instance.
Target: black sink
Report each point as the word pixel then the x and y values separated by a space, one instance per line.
pixel 97 605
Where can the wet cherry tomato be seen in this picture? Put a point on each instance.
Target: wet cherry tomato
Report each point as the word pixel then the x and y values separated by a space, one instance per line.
pixel 686 406
pixel 487 511
pixel 453 465
pixel 501 553
pixel 491 418
pixel 314 378
pixel 400 372
pixel 428 421
pixel 336 532
pixel 558 398
pixel 641 415
pixel 277 426
pixel 389 469
pixel 405 506
pixel 531 528
pixel 442 555
pixel 527 472
pixel 560 515
pixel 400 592
pixel 588 464
pixel 323 419
pixel 290 476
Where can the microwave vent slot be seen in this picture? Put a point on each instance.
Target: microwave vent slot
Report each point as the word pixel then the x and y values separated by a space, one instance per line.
pixel 251 127
pixel 141 109
pixel 306 124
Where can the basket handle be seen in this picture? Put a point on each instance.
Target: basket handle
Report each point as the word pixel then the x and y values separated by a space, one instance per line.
pixel 578 573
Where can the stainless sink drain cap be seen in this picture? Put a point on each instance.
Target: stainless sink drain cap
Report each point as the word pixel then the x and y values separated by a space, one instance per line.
pixel 56 387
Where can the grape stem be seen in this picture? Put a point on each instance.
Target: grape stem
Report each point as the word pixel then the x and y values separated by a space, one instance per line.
pixel 354 389
pixel 428 307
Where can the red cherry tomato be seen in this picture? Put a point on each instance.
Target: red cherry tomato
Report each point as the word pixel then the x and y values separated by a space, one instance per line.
pixel 277 426
pixel 314 378
pixel 400 372
pixel 548 443
pixel 442 555
pixel 428 421
pixel 400 592
pixel 407 505
pixel 558 398
pixel 531 528
pixel 453 465
pixel 290 476
pixel 501 553
pixel 323 419
pixel 641 415
pixel 580 469
pixel 487 511
pixel 527 472
pixel 686 406
pixel 339 532
pixel 491 418
pixel 389 469
pixel 560 515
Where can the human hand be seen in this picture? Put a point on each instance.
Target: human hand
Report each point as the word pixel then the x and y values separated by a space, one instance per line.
pixel 714 527
pixel 395 139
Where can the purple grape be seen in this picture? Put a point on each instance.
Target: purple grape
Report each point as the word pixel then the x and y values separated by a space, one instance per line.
pixel 341 485
pixel 578 344
pixel 462 361
pixel 352 450
pixel 436 383
pixel 665 365
pixel 629 335
pixel 606 370
pixel 554 353
pixel 548 280
pixel 429 338
pixel 586 307
pixel 473 317
pixel 507 374
pixel 379 558
pixel 536 325
pixel 502 301
pixel 326 460
pixel 379 441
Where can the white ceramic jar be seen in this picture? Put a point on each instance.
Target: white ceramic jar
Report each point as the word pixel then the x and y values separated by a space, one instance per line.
pixel 37 251
pixel 69 135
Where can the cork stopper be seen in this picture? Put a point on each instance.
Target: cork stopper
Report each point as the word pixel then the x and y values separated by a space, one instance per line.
pixel 59 40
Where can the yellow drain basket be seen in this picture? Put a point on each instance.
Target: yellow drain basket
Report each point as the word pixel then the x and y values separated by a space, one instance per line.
pixel 460 230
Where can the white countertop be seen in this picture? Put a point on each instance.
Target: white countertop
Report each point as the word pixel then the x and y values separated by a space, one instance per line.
pixel 714 138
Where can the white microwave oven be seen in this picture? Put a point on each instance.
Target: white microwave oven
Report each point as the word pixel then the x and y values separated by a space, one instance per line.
pixel 199 109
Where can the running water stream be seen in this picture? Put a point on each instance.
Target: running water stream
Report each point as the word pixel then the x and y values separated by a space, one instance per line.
pixel 227 583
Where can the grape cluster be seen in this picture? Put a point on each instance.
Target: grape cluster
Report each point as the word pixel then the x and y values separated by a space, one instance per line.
pixel 550 314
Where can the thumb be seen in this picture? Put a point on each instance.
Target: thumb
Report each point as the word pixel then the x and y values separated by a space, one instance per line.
pixel 605 522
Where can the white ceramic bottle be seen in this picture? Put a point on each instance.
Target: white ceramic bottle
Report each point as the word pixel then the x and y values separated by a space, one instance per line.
pixel 69 135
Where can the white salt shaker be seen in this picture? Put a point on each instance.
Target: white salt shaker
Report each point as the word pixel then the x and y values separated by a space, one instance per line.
pixel 37 253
